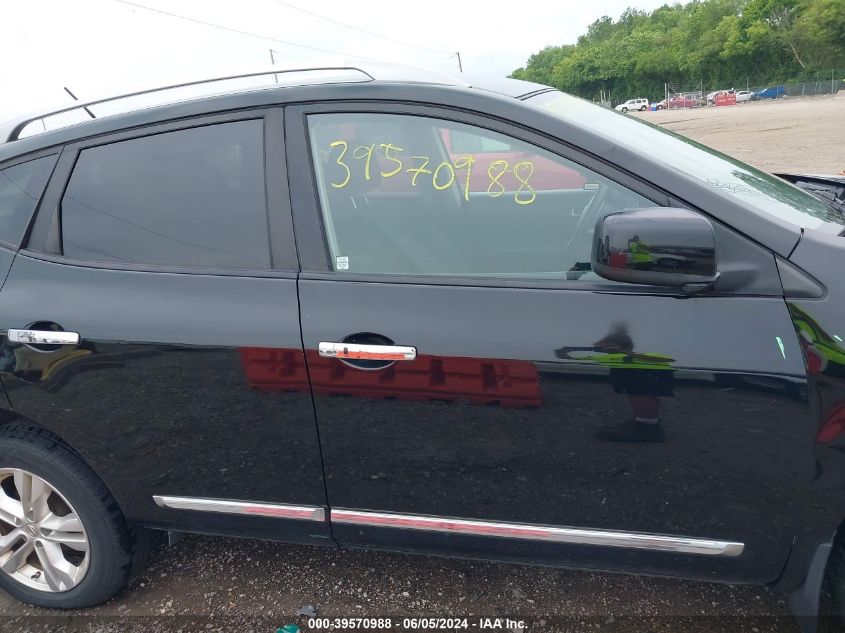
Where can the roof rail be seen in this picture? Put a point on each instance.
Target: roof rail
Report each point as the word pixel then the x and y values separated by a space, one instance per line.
pixel 17 126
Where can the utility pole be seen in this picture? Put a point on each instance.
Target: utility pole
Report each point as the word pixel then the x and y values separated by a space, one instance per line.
pixel 273 63
pixel 91 114
pixel 460 65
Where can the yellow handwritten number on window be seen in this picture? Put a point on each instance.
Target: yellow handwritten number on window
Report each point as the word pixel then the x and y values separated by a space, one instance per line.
pixel 339 160
pixel 367 154
pixel 466 162
pixel 388 147
pixel 419 170
pixel 495 171
pixel 444 175
pixel 448 166
pixel 523 171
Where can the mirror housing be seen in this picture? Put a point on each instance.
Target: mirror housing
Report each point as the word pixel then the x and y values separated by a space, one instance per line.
pixel 657 246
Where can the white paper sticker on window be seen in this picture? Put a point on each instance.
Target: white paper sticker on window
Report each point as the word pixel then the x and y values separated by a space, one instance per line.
pixel 342 262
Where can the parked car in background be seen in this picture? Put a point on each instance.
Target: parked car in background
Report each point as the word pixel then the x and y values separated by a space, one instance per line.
pixel 692 100
pixel 711 97
pixel 770 93
pixel 633 104
pixel 743 95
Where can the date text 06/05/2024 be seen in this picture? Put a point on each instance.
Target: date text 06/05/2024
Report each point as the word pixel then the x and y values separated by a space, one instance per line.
pixel 424 623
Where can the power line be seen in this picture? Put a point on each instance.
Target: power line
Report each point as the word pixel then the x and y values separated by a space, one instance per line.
pixel 360 30
pixel 239 31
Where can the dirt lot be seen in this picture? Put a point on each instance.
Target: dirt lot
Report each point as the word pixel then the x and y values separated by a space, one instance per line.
pixel 216 584
pixel 799 135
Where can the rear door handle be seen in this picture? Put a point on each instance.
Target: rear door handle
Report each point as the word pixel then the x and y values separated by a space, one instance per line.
pixel 367 352
pixel 43 337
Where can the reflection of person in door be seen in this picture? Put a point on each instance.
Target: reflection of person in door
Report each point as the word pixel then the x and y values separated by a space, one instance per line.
pixel 644 378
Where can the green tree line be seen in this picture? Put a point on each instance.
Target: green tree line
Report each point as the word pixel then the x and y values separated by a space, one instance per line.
pixel 718 42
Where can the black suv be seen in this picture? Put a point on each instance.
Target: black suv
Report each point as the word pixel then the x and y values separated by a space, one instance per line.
pixel 483 320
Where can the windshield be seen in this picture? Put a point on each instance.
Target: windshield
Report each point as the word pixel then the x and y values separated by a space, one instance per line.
pixel 753 187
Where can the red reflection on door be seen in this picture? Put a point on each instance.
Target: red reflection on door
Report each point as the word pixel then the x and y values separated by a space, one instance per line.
pixel 274 369
pixel 480 381
pixel 833 425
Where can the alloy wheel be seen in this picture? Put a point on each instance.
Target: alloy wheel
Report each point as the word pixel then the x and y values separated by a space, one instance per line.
pixel 43 543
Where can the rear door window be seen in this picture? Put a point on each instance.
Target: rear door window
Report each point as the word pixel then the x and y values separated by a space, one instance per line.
pixel 21 187
pixel 193 197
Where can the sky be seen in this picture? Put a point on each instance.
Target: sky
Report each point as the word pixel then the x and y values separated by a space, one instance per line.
pixel 103 47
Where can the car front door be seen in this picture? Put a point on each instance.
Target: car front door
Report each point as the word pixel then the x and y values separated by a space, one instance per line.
pixel 152 323
pixel 479 390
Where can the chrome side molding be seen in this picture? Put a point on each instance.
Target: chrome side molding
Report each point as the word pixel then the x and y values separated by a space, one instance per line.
pixel 605 538
pixel 275 510
pixel 470 527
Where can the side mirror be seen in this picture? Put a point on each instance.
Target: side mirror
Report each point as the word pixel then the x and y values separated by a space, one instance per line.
pixel 658 246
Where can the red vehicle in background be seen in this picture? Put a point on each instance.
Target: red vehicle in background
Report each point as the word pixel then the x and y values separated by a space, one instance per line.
pixel 691 100
pixel 548 175
pixel 724 98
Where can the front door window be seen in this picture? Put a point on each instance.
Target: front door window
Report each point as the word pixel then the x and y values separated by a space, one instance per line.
pixel 415 195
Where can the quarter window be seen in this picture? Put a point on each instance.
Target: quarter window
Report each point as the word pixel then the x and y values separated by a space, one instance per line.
pixel 21 187
pixel 423 196
pixel 192 197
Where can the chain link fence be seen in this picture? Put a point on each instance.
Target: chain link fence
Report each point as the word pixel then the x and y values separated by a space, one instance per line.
pixel 824 84
pixel 695 94
pixel 813 88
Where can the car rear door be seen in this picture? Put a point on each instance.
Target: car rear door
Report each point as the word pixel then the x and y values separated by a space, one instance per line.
pixel 22 182
pixel 152 323
pixel 466 363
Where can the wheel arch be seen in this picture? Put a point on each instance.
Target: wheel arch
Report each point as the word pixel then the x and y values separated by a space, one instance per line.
pixel 123 547
pixel 11 423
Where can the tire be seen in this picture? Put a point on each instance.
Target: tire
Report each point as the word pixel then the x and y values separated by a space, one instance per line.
pixel 80 579
pixel 643 109
pixel 624 110
pixel 660 107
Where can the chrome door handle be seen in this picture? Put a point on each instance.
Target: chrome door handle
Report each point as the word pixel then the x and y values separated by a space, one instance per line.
pixel 367 352
pixel 43 337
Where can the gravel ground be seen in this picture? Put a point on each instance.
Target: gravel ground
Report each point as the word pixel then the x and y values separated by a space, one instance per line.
pixel 218 584
pixel 799 135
